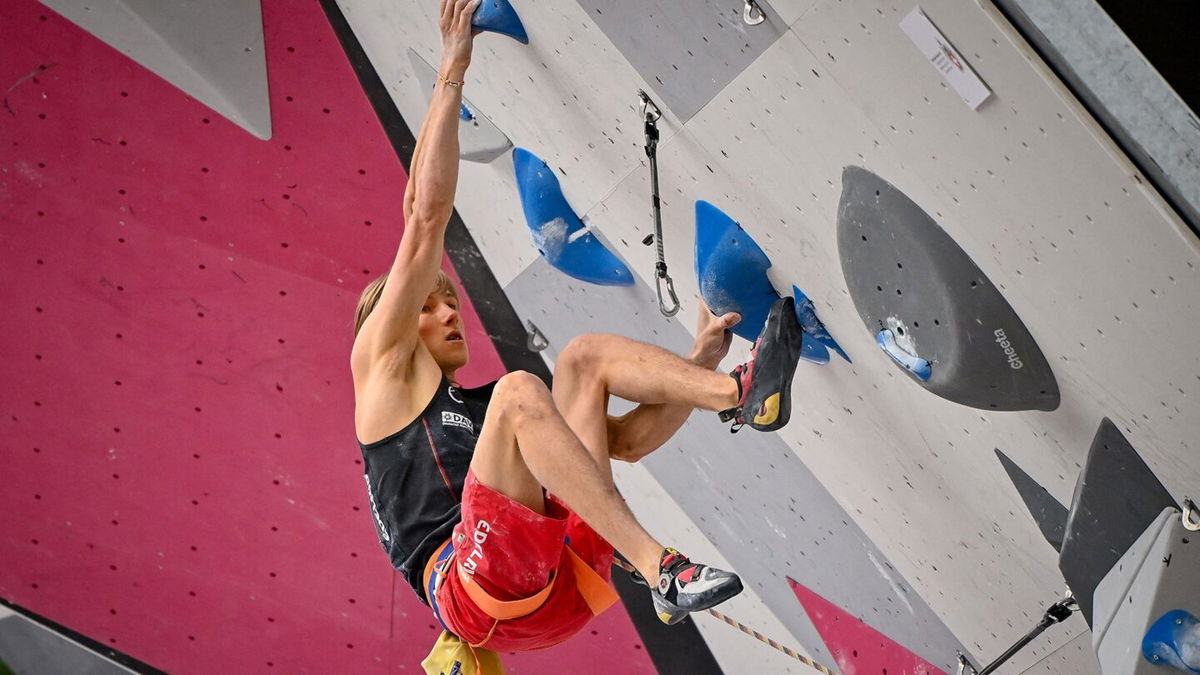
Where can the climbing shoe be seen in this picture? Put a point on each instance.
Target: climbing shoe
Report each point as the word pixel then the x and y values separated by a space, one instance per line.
pixel 765 381
pixel 684 586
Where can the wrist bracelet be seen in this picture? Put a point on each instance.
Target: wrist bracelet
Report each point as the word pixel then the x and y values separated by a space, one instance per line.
pixel 449 82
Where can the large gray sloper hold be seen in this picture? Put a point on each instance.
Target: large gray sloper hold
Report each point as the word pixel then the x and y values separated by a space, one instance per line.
pixel 906 274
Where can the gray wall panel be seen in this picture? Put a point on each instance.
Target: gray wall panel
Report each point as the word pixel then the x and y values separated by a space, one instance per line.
pixel 686 50
pixel 28 649
pixel 211 49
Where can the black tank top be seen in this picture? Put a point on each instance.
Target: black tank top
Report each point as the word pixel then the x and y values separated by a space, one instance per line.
pixel 415 477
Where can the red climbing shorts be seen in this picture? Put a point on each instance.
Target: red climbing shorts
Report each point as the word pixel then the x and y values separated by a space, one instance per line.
pixel 510 551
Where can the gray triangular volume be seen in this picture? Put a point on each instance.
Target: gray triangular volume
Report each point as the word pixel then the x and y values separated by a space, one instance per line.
pixel 479 140
pixel 1049 513
pixel 1116 498
pixel 211 49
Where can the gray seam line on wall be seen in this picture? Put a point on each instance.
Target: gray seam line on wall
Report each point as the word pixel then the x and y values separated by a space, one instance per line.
pixel 621 181
pixel 1056 650
pixel 787 29
pixel 683 123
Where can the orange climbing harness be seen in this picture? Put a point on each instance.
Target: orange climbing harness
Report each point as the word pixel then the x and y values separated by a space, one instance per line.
pixel 596 592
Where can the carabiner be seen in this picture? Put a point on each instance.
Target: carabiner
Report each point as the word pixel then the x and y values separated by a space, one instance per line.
pixel 648 106
pixel 752 14
pixel 535 341
pixel 662 306
pixel 1191 516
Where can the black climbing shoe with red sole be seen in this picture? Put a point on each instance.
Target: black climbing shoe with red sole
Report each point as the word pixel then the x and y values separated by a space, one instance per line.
pixel 765 381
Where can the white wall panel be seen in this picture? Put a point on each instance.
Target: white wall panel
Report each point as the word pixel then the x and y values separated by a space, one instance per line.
pixel 1099 270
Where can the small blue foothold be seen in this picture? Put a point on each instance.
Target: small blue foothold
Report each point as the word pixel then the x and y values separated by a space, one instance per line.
pixel 498 16
pixel 812 325
pixel 1174 641
pixel 558 232
pixel 910 362
pixel 812 351
pixel 465 113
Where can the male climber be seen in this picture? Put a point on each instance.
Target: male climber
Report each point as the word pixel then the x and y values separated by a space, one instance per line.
pixel 497 504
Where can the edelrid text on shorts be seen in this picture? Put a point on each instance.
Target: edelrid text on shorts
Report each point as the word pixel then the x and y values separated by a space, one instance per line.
pixel 482 528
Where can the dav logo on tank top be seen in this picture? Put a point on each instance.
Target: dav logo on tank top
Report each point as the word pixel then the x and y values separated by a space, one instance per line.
pixel 453 419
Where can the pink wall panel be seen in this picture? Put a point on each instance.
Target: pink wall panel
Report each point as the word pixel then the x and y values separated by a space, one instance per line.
pixel 180 477
pixel 858 648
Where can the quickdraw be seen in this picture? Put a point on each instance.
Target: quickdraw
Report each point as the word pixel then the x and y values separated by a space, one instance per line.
pixel 650 116
pixel 1056 613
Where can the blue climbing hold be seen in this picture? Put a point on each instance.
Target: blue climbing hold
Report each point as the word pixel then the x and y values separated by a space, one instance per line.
pixel 903 357
pixel 558 232
pixel 465 114
pixel 1174 641
pixel 813 351
pixel 498 16
pixel 732 271
pixel 814 327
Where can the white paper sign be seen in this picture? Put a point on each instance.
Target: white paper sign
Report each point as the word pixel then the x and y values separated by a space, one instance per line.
pixel 945 58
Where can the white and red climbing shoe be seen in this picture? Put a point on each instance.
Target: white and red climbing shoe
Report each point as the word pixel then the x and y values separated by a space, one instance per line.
pixel 765 381
pixel 684 586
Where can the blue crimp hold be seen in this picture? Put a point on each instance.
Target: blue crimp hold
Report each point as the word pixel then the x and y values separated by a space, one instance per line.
pixel 812 325
pixel 910 362
pixel 498 16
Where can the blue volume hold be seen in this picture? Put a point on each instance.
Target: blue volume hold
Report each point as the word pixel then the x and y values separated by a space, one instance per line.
pixel 1174 641
pixel 813 326
pixel 910 362
pixel 498 16
pixel 558 232
pixel 732 271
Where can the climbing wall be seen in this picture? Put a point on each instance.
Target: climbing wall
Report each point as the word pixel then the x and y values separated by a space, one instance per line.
pixel 181 481
pixel 880 502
